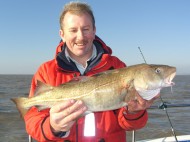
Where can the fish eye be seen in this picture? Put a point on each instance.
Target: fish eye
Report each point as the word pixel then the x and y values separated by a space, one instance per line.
pixel 157 70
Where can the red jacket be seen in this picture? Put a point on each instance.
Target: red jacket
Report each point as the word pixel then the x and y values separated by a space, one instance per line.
pixel 110 125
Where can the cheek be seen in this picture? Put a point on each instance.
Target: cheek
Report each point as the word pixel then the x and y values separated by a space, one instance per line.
pixel 139 83
pixel 91 35
pixel 69 39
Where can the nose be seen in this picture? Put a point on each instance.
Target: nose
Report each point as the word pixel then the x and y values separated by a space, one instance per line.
pixel 80 34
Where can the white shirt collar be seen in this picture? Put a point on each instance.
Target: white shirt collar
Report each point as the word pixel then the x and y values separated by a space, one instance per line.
pixel 80 66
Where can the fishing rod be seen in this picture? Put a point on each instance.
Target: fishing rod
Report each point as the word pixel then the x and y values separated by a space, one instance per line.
pixel 172 128
pixel 164 106
pixel 168 105
pixel 142 55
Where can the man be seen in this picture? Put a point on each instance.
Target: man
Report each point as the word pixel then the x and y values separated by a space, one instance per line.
pixel 81 53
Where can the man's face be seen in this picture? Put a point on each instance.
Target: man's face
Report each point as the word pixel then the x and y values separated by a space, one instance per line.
pixel 78 33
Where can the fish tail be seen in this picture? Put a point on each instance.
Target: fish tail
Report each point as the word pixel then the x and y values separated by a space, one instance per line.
pixel 20 105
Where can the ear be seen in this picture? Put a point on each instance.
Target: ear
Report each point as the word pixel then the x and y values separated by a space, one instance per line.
pixel 61 34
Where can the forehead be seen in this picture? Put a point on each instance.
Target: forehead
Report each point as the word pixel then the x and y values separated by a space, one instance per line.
pixel 72 19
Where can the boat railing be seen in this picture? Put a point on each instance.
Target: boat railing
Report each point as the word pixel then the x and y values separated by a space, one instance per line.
pixel 163 105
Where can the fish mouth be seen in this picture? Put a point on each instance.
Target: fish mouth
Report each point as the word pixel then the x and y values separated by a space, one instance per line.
pixel 168 81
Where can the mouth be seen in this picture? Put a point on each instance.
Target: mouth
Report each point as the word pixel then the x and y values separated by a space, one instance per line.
pixel 81 43
pixel 168 81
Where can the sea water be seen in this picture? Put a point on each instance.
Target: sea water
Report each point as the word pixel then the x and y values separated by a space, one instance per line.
pixel 12 127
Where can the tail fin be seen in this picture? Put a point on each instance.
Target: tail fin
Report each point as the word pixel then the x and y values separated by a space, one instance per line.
pixel 20 105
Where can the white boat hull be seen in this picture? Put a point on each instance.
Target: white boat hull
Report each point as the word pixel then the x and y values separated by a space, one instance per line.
pixel 183 138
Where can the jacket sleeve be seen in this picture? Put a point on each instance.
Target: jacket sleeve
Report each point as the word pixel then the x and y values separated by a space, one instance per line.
pixel 38 125
pixel 132 121
pixel 37 122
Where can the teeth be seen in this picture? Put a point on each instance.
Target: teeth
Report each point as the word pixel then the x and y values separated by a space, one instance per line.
pixel 80 44
pixel 171 77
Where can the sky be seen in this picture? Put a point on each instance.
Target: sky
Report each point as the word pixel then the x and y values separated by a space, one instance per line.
pixel 29 32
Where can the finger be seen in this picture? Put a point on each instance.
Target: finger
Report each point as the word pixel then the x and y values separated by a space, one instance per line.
pixel 75 115
pixel 78 78
pixel 78 106
pixel 74 79
pixel 67 122
pixel 61 106
pixel 138 97
pixel 65 118
pixel 134 107
pixel 141 101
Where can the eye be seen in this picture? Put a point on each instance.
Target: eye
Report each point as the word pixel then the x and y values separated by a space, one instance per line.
pixel 86 29
pixel 157 70
pixel 73 30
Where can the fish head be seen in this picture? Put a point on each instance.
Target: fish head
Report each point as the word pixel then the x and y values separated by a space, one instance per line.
pixel 150 79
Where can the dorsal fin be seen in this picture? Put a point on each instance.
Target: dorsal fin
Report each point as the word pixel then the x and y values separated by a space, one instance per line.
pixel 79 78
pixel 106 72
pixel 76 80
pixel 42 87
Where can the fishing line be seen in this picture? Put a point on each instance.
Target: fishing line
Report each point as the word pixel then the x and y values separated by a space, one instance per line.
pixel 142 55
pixel 172 128
pixel 171 89
pixel 164 107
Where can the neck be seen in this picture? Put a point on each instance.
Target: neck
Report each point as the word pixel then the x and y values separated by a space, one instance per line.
pixel 81 59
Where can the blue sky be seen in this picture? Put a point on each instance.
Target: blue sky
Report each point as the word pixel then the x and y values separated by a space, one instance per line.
pixel 29 32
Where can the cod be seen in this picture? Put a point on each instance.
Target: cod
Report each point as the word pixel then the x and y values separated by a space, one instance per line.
pixel 108 90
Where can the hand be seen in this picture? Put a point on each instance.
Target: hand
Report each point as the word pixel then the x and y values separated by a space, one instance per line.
pixel 139 103
pixel 64 114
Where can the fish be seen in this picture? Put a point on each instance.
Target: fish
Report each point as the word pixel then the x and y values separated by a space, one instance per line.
pixel 109 90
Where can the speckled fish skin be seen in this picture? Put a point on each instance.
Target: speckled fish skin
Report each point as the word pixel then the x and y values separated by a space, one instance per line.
pixel 108 90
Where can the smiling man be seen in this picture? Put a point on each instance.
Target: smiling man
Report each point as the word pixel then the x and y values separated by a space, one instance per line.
pixel 78 33
pixel 81 53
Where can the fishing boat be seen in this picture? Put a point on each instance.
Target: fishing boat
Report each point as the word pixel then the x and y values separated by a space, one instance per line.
pixel 182 138
pixel 174 138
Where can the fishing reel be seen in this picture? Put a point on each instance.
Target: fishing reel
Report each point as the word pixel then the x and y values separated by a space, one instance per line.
pixel 163 105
